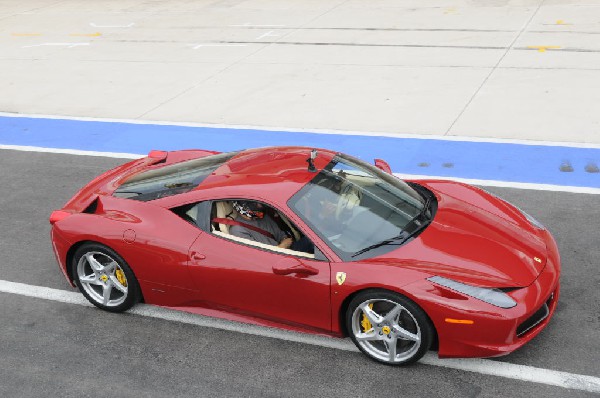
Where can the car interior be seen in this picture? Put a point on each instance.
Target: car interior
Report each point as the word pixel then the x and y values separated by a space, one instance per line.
pixel 224 209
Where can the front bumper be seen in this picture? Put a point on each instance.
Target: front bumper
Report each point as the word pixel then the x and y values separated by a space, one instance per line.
pixel 495 331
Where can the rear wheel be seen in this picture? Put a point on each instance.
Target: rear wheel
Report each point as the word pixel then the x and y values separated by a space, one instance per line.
pixel 104 278
pixel 389 327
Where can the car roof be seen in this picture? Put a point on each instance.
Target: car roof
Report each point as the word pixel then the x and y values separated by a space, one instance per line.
pixel 269 173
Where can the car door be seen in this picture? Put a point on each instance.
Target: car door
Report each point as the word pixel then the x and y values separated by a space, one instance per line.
pixel 237 277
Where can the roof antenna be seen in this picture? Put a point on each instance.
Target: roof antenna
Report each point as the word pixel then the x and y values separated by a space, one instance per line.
pixel 310 161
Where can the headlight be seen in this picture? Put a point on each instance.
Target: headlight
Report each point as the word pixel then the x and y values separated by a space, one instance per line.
pixel 492 296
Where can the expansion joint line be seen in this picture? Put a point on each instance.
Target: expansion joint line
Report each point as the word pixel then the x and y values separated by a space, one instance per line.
pixel 510 47
pixel 267 44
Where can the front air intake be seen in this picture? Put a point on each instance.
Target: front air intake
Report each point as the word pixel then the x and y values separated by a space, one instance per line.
pixel 535 319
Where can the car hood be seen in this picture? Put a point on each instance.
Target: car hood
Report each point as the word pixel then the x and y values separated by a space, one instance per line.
pixel 475 238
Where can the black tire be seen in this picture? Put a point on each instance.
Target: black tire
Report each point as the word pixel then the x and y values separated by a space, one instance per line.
pixel 398 339
pixel 97 269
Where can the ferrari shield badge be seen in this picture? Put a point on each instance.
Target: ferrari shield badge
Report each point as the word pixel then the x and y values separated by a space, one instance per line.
pixel 539 260
pixel 340 277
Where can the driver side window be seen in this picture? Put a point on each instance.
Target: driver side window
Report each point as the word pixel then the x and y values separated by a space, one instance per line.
pixel 257 224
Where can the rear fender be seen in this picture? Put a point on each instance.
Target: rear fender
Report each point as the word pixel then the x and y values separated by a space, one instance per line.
pixel 153 240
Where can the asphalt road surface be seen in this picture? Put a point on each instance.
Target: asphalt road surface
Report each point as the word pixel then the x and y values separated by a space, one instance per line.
pixel 56 349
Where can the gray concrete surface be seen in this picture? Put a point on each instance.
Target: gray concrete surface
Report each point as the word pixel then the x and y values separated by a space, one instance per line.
pixel 524 69
pixel 60 349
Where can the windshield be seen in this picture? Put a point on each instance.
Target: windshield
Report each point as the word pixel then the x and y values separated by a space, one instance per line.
pixel 353 206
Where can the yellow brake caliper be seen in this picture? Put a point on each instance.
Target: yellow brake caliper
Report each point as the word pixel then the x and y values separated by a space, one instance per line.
pixel 121 277
pixel 365 323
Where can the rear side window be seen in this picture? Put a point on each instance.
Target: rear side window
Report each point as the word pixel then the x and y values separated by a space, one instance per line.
pixel 171 180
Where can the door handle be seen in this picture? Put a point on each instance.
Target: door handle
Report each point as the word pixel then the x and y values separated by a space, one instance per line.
pixel 301 269
pixel 197 256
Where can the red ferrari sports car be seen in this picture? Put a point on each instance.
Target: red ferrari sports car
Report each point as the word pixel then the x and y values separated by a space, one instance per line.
pixel 316 241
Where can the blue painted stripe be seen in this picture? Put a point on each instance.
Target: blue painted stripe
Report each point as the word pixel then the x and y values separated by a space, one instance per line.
pixel 437 157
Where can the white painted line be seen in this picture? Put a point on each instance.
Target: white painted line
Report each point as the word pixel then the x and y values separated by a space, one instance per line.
pixel 519 372
pixel 41 292
pixel 197 46
pixel 505 184
pixel 485 183
pixel 482 366
pixel 268 34
pixel 247 24
pixel 68 45
pixel 315 131
pixel 112 26
pixel 119 155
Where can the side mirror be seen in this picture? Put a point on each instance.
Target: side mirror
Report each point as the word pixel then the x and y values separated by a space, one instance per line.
pixel 383 165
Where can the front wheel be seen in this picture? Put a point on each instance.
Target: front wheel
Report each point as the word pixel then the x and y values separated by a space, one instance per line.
pixel 388 327
pixel 104 278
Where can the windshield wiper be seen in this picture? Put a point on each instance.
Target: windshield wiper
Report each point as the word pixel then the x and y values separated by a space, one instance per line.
pixel 390 241
pixel 404 235
pixel 412 233
pixel 424 210
pixel 420 224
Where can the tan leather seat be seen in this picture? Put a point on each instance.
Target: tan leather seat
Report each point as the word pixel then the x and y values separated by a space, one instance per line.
pixel 350 197
pixel 193 213
pixel 225 210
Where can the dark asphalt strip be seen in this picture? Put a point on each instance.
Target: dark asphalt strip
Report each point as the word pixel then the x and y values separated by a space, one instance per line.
pixel 34 184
